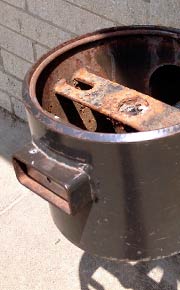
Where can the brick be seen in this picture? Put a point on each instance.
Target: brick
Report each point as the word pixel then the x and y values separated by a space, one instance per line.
pixel 67 16
pixel 16 44
pixel 121 11
pixel 31 27
pixel 17 3
pixel 12 21
pixel 15 65
pixel 5 101
pixel 40 50
pixel 42 32
pixel 165 13
pixel 19 109
pixel 10 85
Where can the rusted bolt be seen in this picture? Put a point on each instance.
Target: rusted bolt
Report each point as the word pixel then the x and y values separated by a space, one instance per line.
pixel 133 106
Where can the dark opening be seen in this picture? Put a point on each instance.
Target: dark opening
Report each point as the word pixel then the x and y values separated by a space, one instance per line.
pixel 165 84
pixel 82 86
pixel 48 179
pixel 70 111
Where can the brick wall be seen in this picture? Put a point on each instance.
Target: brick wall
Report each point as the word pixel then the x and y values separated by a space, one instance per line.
pixel 28 28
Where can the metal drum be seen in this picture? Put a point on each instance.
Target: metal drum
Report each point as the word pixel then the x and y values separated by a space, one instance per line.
pixel 107 159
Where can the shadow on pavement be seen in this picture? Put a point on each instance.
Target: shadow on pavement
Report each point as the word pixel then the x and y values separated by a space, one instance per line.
pixel 161 274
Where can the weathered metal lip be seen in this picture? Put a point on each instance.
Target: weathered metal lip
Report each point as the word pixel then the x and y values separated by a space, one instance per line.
pixel 32 105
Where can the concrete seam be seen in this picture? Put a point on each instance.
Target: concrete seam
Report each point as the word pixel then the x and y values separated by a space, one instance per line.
pixel 11 205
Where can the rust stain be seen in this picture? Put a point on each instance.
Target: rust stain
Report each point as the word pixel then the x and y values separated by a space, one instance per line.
pixel 124 105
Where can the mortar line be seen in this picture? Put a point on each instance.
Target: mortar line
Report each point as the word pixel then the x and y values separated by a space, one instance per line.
pixel 20 57
pixel 92 12
pixel 34 51
pixel 10 95
pixel 58 26
pixel 40 18
pixel 5 72
pixel 23 35
pixel 1 61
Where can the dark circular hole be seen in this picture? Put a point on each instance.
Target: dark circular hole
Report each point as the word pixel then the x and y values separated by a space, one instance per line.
pixel 165 84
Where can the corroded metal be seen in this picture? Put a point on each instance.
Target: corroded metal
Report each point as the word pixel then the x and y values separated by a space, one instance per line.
pixel 120 103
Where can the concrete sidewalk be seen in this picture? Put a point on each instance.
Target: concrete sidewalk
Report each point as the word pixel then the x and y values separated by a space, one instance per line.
pixel 35 256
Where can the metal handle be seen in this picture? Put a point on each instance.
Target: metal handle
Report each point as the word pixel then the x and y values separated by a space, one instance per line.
pixel 61 183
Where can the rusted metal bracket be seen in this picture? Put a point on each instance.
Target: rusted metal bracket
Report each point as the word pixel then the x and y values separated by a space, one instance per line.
pixel 128 106
pixel 60 183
